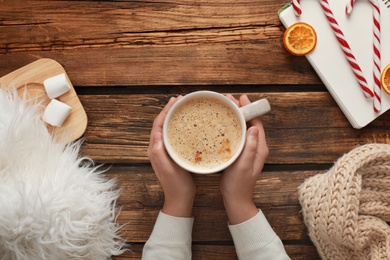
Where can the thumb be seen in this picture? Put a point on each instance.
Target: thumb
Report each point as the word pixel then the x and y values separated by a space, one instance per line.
pixel 248 154
pixel 157 152
pixel 250 147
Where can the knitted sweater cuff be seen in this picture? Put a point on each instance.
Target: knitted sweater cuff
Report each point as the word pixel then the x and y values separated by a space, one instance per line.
pixel 172 231
pixel 252 234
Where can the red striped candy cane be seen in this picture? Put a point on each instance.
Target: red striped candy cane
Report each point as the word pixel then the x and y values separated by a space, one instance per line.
pixel 343 44
pixel 376 47
pixel 346 48
pixel 297 7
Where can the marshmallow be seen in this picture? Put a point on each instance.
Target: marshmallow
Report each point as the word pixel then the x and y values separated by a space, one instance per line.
pixel 56 113
pixel 56 86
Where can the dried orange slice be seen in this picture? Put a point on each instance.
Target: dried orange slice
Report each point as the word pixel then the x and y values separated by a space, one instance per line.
pixel 385 79
pixel 300 38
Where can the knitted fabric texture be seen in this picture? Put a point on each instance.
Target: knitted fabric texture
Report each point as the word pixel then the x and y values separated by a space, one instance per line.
pixel 346 208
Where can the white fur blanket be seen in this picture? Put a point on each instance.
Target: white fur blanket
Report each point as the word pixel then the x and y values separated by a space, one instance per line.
pixel 53 203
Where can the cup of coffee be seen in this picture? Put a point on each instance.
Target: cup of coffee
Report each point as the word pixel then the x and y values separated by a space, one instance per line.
pixel 204 132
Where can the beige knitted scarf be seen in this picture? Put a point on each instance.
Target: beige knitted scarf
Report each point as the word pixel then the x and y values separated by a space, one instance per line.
pixel 346 208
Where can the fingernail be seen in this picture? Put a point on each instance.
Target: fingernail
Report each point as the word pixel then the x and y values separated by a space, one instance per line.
pixel 253 132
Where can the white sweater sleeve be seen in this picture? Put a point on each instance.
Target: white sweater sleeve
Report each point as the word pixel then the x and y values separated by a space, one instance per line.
pixel 170 239
pixel 255 239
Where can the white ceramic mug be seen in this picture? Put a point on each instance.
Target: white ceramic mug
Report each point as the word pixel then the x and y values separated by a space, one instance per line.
pixel 244 114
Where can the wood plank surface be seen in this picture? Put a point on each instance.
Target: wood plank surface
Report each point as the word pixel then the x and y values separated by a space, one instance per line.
pixel 127 58
pixel 223 42
pixel 223 252
pixel 29 80
pixel 119 127
pixel 275 194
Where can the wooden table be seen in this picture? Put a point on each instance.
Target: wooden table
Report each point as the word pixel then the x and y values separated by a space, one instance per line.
pixel 126 58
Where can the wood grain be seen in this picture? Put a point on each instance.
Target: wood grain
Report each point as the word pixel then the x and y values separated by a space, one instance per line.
pixel 302 128
pixel 126 58
pixel 275 194
pixel 29 82
pixel 111 43
pixel 142 198
pixel 227 252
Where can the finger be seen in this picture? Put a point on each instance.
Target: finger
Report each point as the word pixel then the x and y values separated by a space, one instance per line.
pixel 262 148
pixel 155 150
pixel 230 96
pixel 158 155
pixel 248 156
pixel 244 100
pixel 159 120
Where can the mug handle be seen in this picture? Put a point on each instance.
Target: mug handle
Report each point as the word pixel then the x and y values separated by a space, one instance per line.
pixel 255 109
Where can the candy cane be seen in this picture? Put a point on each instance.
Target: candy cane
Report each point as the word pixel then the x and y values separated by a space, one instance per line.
pixel 297 7
pixel 343 43
pixel 348 8
pixel 376 47
pixel 346 49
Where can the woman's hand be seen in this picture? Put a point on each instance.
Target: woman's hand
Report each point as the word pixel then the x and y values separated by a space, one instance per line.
pixel 239 179
pixel 177 183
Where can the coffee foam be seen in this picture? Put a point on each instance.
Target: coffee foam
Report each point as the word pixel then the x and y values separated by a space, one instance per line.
pixel 204 132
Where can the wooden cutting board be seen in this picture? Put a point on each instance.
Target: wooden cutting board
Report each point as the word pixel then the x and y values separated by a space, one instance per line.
pixel 30 79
